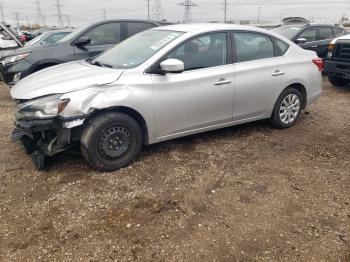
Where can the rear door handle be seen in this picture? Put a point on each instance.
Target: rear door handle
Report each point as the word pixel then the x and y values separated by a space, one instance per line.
pixel 314 46
pixel 278 73
pixel 222 81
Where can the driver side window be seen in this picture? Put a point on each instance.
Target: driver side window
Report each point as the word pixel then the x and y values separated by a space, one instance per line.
pixel 104 34
pixel 203 52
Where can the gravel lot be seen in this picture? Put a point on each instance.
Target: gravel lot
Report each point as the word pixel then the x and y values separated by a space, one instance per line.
pixel 244 193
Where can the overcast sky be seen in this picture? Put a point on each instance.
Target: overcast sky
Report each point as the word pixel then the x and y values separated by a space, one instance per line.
pixel 86 11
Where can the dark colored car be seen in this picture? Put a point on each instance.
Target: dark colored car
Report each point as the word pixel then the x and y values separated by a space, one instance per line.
pixel 337 65
pixel 81 44
pixel 315 37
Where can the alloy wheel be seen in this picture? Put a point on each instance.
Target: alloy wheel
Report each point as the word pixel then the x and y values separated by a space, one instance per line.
pixel 289 109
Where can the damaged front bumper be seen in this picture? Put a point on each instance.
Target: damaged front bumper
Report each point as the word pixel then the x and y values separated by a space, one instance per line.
pixel 41 138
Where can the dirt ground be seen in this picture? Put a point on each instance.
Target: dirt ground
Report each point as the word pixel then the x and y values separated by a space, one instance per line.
pixel 245 193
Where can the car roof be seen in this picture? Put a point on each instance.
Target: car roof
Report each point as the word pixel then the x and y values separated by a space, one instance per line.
pixel 309 25
pixel 197 27
pixel 132 21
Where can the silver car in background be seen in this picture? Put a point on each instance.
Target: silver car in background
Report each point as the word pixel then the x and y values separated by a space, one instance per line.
pixel 162 84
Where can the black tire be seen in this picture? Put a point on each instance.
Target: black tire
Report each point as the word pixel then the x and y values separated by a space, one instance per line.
pixel 100 140
pixel 276 119
pixel 338 82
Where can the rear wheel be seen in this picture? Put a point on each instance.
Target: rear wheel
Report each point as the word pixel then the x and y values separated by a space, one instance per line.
pixel 111 141
pixel 338 82
pixel 287 109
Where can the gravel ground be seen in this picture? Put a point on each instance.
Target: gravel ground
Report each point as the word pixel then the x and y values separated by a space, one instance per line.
pixel 244 193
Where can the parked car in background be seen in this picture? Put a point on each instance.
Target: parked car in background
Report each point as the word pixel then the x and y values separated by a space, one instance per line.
pixel 86 42
pixel 315 37
pixel 161 84
pixel 337 64
pixel 8 41
pixel 49 38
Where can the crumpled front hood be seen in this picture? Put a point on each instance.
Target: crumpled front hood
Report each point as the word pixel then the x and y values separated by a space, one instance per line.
pixel 63 79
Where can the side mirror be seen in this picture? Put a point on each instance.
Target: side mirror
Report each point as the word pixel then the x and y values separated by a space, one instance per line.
pixel 83 41
pixel 172 66
pixel 300 41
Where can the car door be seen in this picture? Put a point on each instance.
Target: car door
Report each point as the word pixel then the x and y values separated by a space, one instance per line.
pixel 260 74
pixel 200 97
pixel 103 37
pixel 325 36
pixel 311 37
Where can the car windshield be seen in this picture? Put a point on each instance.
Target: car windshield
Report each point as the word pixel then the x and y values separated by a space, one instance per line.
pixel 36 39
pixel 73 35
pixel 137 49
pixel 287 31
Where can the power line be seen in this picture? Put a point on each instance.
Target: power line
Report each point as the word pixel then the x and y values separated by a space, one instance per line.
pixel 157 10
pixel 59 13
pixel 68 20
pixel 188 4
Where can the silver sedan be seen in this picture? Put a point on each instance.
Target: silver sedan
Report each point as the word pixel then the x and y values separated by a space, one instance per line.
pixel 161 84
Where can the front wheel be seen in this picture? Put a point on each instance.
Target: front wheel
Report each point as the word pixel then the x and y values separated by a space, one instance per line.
pixel 287 109
pixel 338 82
pixel 111 141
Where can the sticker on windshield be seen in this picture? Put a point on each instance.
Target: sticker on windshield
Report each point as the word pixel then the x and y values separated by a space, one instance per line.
pixel 164 41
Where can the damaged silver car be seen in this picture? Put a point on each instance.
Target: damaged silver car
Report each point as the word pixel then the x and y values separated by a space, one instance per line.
pixel 162 84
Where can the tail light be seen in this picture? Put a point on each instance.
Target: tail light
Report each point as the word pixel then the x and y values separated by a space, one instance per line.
pixel 319 63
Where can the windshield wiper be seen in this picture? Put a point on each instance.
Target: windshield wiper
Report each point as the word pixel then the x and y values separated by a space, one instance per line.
pixel 96 63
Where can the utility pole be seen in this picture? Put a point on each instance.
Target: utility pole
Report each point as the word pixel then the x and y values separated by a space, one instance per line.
pixel 157 10
pixel 17 19
pixel 259 14
pixel 59 13
pixel 188 4
pixel 27 20
pixel 148 9
pixel 39 16
pixel 68 20
pixel 2 12
pixel 225 10
pixel 44 20
pixel 104 12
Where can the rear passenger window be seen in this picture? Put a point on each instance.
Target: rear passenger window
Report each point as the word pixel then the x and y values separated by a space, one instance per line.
pixel 282 47
pixel 134 28
pixel 325 33
pixel 310 35
pixel 338 32
pixel 251 46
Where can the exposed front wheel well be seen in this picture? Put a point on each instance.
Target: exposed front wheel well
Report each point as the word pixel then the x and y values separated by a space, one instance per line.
pixel 301 88
pixel 130 112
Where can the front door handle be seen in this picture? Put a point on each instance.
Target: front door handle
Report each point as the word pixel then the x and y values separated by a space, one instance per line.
pixel 278 73
pixel 222 81
pixel 314 46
